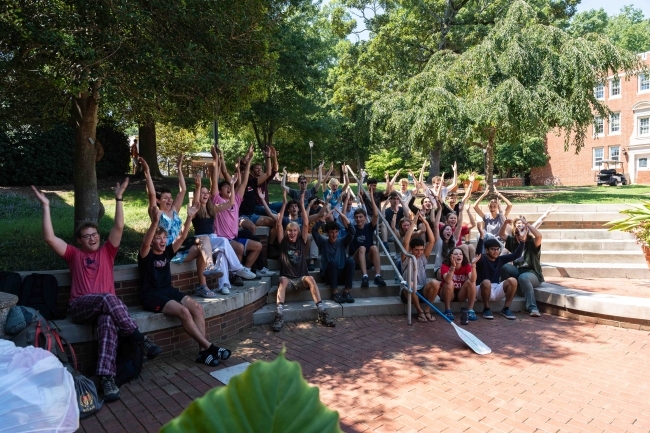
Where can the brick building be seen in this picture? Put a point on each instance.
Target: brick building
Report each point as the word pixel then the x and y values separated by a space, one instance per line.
pixel 625 137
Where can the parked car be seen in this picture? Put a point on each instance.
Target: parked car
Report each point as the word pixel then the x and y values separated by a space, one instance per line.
pixel 611 173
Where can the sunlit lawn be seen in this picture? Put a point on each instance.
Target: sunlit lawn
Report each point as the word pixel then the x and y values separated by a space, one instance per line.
pixel 22 247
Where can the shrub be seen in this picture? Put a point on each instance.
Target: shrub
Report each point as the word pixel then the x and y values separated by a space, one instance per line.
pixel 117 154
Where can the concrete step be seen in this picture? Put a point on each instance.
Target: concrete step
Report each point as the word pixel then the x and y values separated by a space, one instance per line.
pixel 593 257
pixel 373 291
pixel 374 306
pixel 601 217
pixel 532 207
pixel 596 270
pixel 585 234
pixel 590 245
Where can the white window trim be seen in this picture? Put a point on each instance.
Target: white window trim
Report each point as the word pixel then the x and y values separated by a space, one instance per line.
pixel 647 167
pixel 638 85
pixel 638 126
pixel 610 152
pixel 602 134
pixel 609 125
pixel 593 158
pixel 603 97
pixel 620 88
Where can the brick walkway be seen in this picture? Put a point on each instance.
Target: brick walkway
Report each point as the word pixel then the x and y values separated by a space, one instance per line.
pixel 547 374
pixel 639 288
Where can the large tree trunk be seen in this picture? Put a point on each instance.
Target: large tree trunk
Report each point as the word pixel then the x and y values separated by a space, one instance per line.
pixel 87 207
pixel 434 159
pixel 147 133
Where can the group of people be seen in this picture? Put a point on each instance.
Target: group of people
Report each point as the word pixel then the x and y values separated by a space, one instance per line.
pixel 339 230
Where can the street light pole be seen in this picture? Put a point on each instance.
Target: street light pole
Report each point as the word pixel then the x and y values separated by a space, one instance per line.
pixel 311 151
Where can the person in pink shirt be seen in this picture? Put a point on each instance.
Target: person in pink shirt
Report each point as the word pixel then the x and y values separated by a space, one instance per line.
pixel 92 291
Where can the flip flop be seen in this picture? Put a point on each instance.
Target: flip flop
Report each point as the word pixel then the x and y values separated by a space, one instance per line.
pixel 222 353
pixel 207 358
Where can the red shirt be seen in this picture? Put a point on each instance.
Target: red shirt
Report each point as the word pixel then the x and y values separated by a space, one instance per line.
pixel 460 274
pixel 91 273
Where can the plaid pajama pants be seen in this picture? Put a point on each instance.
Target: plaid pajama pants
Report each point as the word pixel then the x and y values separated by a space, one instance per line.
pixel 112 318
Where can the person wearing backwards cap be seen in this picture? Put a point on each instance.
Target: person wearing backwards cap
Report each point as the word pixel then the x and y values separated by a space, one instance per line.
pixel 489 271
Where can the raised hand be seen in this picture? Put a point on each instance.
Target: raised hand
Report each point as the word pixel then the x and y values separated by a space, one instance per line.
pixel 302 196
pixel 191 211
pixel 214 153
pixel 40 196
pixel 267 151
pixel 481 228
pixel 284 171
pixel 344 168
pixel 472 177
pixel 476 259
pixel 454 167
pixel 143 164
pixel 179 162
pixel 322 163
pixel 154 214
pixel 249 154
pixel 197 179
pixel 120 187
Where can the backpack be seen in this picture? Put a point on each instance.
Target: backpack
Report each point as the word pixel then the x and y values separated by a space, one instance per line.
pixel 40 291
pixel 10 282
pixel 128 362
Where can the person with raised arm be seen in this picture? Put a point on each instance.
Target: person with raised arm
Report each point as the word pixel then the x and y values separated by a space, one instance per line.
pixel 427 287
pixel 363 248
pixel 495 219
pixel 159 296
pixel 197 248
pixel 333 194
pixel 92 288
pixel 293 266
pixel 302 183
pixel 527 269
pixel 490 286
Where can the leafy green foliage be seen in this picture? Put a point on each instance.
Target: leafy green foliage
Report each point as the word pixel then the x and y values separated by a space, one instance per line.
pixel 268 397
pixel 629 29
pixel 117 155
pixel 519 158
pixel 636 222
pixel 392 160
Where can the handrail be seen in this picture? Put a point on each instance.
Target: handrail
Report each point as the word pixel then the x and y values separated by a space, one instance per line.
pixel 413 270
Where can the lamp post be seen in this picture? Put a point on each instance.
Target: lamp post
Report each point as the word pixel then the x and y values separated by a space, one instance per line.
pixel 311 152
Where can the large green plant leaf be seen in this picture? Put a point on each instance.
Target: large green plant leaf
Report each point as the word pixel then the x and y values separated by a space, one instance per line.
pixel 267 397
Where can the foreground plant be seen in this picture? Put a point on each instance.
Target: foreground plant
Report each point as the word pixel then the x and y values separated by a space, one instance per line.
pixel 636 222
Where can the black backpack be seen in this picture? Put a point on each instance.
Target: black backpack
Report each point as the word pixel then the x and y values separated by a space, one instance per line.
pixel 128 362
pixel 10 282
pixel 40 291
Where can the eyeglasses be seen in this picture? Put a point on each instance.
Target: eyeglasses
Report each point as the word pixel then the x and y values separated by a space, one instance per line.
pixel 90 235
pixel 302 181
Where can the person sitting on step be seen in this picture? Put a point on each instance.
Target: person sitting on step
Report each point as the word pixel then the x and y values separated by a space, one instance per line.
pixel 363 248
pixel 459 282
pixel 427 287
pixel 293 265
pixel 92 288
pixel 158 294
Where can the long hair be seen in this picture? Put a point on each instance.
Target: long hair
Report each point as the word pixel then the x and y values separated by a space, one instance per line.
pixel 448 246
pixel 207 210
pixel 447 260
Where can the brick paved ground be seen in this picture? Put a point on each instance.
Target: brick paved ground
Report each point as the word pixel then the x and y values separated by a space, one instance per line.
pixel 547 374
pixel 639 288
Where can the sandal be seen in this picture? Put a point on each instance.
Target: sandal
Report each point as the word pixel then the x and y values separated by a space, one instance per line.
pixel 204 292
pixel 422 318
pixel 207 358
pixel 429 317
pixel 219 352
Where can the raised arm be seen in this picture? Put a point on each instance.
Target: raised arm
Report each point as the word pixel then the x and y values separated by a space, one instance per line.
pixel 430 237
pixel 477 204
pixel 57 244
pixel 375 212
pixel 472 221
pixel 390 186
pixel 115 236
pixel 283 182
pixel 459 224
pixel 320 176
pixel 244 178
pixel 178 242
pixel 278 219
pixel 269 212
pixel 305 217
pixel 454 183
pixel 182 189
pixel 151 189
pixel 274 160
pixel 424 164
pixel 231 201
pixel 214 175
pixel 269 168
pixel 327 176
pixel 541 219
pixel 508 204
pixel 534 231
pixel 154 216
pixel 408 235
pixel 197 190
pixel 346 178
pixel 224 169
pixel 436 224
pixel 503 231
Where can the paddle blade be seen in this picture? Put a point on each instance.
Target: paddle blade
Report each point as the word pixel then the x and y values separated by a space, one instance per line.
pixel 474 343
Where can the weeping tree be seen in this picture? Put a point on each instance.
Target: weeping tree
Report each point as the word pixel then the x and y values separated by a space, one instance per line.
pixel 526 78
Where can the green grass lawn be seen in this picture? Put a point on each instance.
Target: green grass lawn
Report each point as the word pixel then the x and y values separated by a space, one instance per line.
pixel 22 247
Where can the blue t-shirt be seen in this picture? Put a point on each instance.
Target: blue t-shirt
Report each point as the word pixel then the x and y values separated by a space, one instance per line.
pixel 363 237
pixel 333 197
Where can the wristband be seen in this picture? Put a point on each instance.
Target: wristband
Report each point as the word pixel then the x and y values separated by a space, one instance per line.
pixel 119 199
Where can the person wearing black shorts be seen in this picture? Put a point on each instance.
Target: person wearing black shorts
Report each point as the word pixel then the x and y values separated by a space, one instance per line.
pixel 293 265
pixel 158 294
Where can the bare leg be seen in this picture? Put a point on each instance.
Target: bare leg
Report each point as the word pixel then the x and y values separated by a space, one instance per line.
pixel 360 259
pixel 486 292
pixel 175 309
pixel 374 257
pixel 447 294
pixel 248 225
pixel 313 288
pixel 430 291
pixel 253 250
pixel 468 292
pixel 239 250
pixel 510 288
pixel 282 289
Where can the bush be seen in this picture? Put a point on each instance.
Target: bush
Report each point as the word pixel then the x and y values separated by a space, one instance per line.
pixel 47 157
pixel 392 160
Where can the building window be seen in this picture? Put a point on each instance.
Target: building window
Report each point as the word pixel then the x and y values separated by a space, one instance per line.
pixel 598 157
pixel 615 123
pixel 644 82
pixel 643 162
pixel 644 125
pixel 598 126
pixel 614 152
pixel 615 87
pixel 599 91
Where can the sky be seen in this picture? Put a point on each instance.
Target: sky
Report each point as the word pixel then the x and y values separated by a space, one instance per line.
pixel 613 7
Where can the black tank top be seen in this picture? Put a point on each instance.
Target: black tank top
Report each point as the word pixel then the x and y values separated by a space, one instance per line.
pixel 203 226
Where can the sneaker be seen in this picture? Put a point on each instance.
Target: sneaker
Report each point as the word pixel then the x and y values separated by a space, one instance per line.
pixel 245 273
pixel 264 272
pixel 505 312
pixel 348 298
pixel 325 319
pixel 337 297
pixel 471 315
pixel 111 391
pixel 311 267
pixel 464 316
pixel 225 289
pixel 277 323
pixel 364 282
pixel 213 271
pixel 237 281
pixel 204 292
pixel 151 349
pixel 534 313
pixel 380 281
pixel 487 314
pixel 449 314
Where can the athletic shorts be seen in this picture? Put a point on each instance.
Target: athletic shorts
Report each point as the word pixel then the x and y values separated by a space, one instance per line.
pixel 242 241
pixel 156 299
pixel 496 293
pixel 454 299
pixel 369 264
pixel 252 218
pixel 299 283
